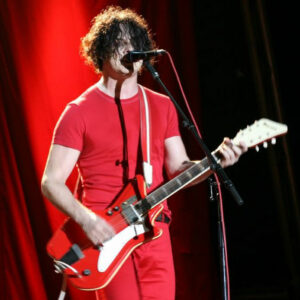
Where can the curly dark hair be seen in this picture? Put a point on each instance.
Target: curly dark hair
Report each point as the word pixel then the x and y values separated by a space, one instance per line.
pixel 105 35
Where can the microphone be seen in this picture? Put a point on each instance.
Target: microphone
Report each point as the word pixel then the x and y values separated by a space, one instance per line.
pixel 133 56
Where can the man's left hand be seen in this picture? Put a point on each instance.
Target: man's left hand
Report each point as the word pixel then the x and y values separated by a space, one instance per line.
pixel 231 152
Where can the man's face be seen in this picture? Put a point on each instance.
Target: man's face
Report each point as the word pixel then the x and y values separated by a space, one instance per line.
pixel 115 62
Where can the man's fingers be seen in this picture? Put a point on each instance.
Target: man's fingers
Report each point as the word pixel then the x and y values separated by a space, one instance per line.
pixel 227 152
pixel 243 146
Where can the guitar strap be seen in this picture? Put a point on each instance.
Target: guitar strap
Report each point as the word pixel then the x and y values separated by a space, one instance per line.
pixel 145 135
pixel 145 144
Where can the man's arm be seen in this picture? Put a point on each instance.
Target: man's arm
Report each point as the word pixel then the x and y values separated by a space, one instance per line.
pixel 61 161
pixel 176 159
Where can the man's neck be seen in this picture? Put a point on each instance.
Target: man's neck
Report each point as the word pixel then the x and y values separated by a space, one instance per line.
pixel 121 88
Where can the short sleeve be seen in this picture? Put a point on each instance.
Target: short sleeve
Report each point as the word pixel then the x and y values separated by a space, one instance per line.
pixel 172 126
pixel 70 128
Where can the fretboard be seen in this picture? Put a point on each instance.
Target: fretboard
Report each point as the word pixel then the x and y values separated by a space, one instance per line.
pixel 180 181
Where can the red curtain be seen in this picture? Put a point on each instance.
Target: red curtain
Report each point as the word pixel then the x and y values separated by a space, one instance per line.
pixel 41 71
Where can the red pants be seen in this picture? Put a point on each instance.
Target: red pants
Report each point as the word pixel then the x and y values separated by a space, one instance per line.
pixel 148 274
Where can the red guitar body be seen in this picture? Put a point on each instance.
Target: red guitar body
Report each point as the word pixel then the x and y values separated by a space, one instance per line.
pixel 100 264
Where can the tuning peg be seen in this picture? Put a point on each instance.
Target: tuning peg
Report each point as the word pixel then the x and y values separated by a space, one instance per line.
pixel 265 145
pixel 256 148
pixel 273 141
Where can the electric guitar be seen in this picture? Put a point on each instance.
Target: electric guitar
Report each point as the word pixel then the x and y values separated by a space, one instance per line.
pixel 132 216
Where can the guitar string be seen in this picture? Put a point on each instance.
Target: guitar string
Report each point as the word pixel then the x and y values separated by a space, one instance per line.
pixel 118 221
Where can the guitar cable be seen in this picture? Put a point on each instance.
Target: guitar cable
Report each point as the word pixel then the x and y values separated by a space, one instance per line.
pixel 59 267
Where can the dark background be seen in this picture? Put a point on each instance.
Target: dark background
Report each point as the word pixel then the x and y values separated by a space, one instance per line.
pixel 236 88
pixel 238 63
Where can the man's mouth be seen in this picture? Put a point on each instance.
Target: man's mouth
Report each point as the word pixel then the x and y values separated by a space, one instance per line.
pixel 128 65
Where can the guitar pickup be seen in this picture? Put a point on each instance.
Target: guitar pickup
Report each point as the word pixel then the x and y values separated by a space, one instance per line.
pixel 131 215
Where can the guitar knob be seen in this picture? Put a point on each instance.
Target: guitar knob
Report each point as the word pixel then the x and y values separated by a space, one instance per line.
pixel 109 212
pixel 86 272
pixel 116 208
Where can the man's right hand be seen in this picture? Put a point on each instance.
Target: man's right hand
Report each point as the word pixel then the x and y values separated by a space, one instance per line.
pixel 61 162
pixel 97 229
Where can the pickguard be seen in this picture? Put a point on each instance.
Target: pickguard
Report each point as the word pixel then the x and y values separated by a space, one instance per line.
pixel 111 248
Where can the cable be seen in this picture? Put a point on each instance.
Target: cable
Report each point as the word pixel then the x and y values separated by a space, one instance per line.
pixel 215 175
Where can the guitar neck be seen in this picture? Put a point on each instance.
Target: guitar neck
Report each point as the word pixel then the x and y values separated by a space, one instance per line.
pixel 259 132
pixel 199 169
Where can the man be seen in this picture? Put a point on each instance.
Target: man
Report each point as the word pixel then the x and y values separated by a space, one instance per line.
pixel 100 132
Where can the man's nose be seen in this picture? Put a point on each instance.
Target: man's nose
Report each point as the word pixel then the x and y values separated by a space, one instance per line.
pixel 128 46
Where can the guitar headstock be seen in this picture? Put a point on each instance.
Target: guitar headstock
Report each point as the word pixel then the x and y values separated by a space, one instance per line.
pixel 260 132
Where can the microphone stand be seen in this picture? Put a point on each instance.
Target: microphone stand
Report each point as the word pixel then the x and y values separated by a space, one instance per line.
pixel 214 166
pixel 214 196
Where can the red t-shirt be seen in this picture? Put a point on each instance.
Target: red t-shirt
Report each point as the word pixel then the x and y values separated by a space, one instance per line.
pixel 91 124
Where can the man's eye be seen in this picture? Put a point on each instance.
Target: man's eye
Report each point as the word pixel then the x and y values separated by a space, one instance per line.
pixel 124 43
